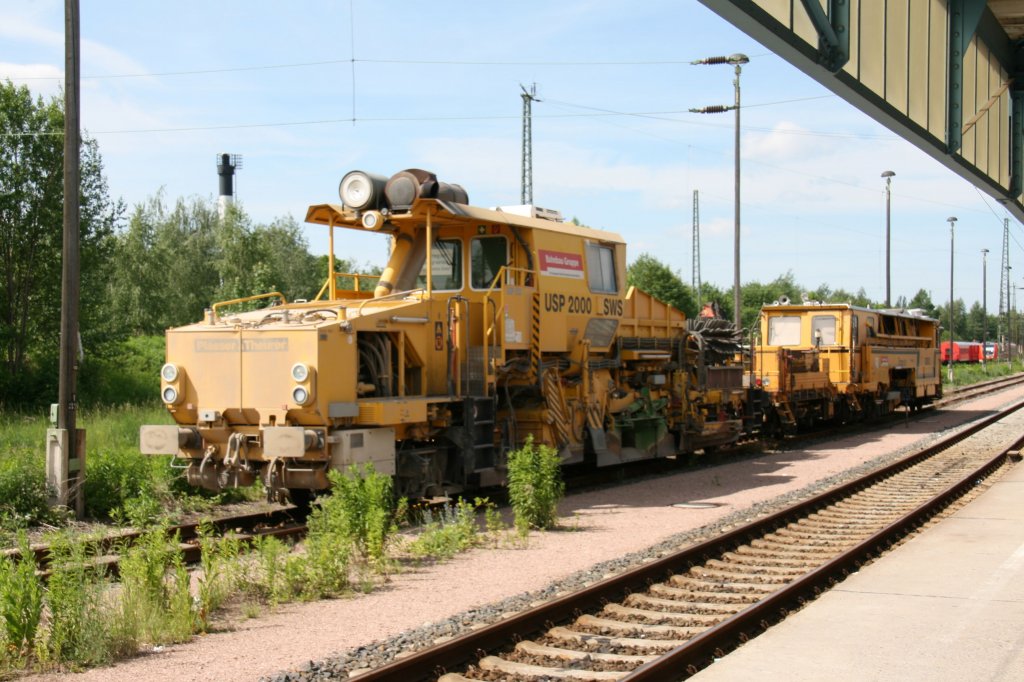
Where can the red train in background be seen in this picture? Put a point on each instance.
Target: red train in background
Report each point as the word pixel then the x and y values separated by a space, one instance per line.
pixel 964 351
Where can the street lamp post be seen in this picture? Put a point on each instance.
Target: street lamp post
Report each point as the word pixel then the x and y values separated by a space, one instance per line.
pixel 949 372
pixel 984 301
pixel 888 216
pixel 1009 319
pixel 736 60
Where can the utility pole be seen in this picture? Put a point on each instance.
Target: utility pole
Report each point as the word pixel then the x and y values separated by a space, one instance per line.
pixel 888 222
pixel 984 301
pixel 696 247
pixel 952 221
pixel 65 445
pixel 529 97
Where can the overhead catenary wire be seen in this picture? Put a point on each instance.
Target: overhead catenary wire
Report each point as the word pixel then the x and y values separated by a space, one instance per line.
pixel 353 60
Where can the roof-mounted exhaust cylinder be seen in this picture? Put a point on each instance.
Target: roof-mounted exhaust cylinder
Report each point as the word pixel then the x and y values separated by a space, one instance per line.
pixel 405 187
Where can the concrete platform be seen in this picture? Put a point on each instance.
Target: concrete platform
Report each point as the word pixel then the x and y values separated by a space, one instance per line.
pixel 947 605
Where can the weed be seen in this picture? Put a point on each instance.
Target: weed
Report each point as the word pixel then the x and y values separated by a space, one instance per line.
pixel 214 586
pixel 267 582
pixel 21 601
pixel 358 511
pixel 155 608
pixel 534 486
pixel 78 619
pixel 452 530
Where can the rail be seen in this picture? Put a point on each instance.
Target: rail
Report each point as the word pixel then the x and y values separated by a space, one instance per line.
pixel 221 304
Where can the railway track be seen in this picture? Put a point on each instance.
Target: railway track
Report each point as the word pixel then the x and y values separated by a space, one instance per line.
pixel 281 523
pixel 667 619
pixel 289 523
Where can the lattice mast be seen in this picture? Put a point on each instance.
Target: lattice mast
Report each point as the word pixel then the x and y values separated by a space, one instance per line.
pixel 1004 287
pixel 696 247
pixel 529 97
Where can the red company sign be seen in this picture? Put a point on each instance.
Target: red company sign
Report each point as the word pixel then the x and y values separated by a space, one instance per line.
pixel 561 264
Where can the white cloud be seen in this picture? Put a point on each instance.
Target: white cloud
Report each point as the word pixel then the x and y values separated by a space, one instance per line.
pixel 787 140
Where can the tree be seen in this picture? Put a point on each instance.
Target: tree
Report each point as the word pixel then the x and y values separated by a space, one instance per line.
pixel 923 301
pixel 657 279
pixel 31 242
pixel 171 263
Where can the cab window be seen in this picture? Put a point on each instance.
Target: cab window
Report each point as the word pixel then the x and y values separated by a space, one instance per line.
pixel 601 268
pixel 446 266
pixel 784 330
pixel 823 330
pixel 487 255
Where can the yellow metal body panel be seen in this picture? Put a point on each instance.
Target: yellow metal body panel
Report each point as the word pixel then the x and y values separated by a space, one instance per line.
pixel 389 411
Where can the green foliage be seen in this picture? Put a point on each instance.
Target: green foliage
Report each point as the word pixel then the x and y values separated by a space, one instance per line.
pixel 31 232
pixel 267 581
pixel 452 530
pixel 965 374
pixel 652 276
pixel 534 485
pixel 78 617
pixel 360 510
pixel 923 301
pixel 21 602
pixel 215 584
pixel 23 495
pixel 156 604
pixel 172 262
pixel 125 371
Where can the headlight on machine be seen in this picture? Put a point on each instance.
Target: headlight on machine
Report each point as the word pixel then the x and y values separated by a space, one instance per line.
pixel 172 378
pixel 304 376
pixel 300 396
pixel 169 372
pixel 300 371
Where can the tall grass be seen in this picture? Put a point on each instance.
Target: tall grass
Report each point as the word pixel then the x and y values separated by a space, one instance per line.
pixel 78 620
pixel 965 374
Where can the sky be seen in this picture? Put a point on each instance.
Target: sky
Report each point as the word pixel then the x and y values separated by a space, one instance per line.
pixel 306 91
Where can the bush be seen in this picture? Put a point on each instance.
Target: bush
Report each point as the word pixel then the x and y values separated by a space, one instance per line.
pixel 23 494
pixel 534 486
